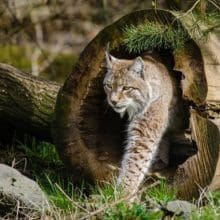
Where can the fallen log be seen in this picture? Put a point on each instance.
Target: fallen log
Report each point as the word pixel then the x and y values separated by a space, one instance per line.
pixel 26 103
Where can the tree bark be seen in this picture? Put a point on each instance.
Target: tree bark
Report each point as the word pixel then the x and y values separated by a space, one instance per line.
pixel 203 169
pixel 26 103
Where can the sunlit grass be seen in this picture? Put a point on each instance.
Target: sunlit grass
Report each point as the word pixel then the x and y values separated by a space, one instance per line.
pixel 83 201
pixel 162 193
pixel 40 150
pixel 211 210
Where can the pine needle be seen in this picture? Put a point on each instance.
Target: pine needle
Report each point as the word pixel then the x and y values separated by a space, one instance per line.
pixel 153 35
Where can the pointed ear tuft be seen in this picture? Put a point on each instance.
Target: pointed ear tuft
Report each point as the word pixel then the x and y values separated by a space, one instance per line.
pixel 138 67
pixel 109 59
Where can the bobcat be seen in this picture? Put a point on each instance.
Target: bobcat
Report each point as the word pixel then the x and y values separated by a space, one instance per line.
pixel 142 89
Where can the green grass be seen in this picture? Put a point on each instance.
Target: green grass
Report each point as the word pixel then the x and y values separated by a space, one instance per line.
pixel 40 150
pixel 43 156
pixel 210 211
pixel 136 211
pixel 162 194
pixel 57 197
pixel 108 202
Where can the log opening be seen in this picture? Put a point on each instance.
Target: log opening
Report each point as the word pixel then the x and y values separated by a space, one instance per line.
pixel 104 131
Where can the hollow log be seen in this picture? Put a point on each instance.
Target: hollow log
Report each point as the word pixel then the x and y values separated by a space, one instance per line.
pixel 89 135
pixel 203 169
pixel 26 103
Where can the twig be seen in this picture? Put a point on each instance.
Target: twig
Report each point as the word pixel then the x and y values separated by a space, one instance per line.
pixel 202 195
pixel 118 202
pixel 215 4
pixel 189 11
pixel 76 204
pixel 14 163
pixel 17 209
pixel 212 28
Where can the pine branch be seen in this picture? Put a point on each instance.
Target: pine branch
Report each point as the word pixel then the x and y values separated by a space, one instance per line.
pixel 153 35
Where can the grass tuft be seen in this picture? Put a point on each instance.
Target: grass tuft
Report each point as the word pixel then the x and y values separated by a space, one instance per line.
pixel 162 193
pixel 136 211
pixel 58 198
pixel 210 211
pixel 40 150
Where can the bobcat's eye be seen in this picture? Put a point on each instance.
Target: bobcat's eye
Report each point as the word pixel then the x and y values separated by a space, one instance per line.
pixel 108 86
pixel 126 88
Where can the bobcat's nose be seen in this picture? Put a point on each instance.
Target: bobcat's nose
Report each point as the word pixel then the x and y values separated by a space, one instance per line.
pixel 114 102
pixel 114 98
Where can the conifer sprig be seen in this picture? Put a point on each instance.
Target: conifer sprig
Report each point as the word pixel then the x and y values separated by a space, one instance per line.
pixel 153 35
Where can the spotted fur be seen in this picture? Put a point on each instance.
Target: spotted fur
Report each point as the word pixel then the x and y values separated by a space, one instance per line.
pixel 143 89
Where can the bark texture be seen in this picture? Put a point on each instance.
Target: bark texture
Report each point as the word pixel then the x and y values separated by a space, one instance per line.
pixel 26 103
pixel 203 169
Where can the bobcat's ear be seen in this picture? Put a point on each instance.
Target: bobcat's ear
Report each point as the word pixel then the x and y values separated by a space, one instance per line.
pixel 109 59
pixel 138 67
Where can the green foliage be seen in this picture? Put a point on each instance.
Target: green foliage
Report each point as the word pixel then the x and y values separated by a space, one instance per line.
pixel 61 199
pixel 153 35
pixel 211 211
pixel 18 56
pixel 43 157
pixel 123 211
pixel 161 194
pixel 107 194
pixel 15 56
pixel 40 150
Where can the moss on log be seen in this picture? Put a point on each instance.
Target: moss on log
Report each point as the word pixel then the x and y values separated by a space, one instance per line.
pixel 26 103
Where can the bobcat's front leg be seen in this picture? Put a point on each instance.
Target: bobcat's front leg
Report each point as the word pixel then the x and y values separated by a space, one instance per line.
pixel 144 135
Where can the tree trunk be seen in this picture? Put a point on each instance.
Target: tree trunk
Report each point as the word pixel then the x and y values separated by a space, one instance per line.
pixel 26 103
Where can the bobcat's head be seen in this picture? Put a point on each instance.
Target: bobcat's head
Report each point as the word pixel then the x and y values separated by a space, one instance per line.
pixel 126 85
